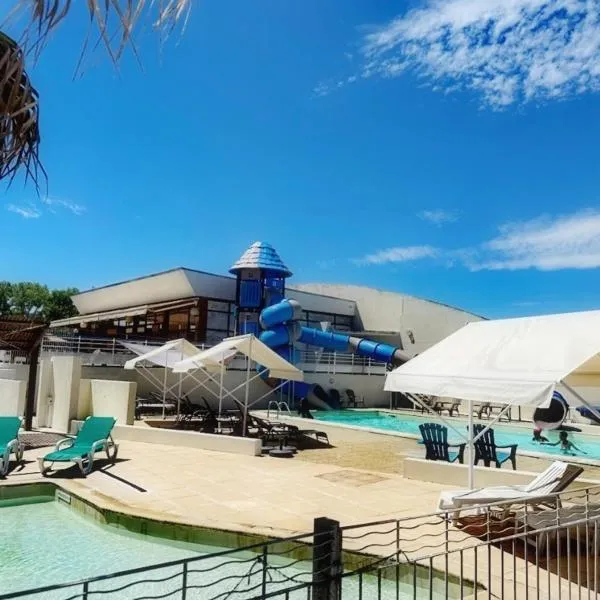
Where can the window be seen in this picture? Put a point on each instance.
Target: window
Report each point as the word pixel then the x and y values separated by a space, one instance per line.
pixel 179 322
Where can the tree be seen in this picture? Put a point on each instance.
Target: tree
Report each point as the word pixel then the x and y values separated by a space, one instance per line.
pixel 114 21
pixel 60 305
pixel 36 301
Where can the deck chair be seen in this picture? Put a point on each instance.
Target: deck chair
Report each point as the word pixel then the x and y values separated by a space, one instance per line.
pixel 9 442
pixel 435 438
pixel 353 400
pixel 94 436
pixel 486 449
pixel 482 409
pixel 556 478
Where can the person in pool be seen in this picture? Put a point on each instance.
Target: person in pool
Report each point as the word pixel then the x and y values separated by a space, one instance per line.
pixel 566 446
pixel 538 437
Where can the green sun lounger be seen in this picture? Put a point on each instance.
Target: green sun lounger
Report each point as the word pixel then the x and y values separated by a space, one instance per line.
pixel 94 436
pixel 9 442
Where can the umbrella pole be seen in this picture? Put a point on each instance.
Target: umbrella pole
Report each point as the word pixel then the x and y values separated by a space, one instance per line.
pixel 221 390
pixel 164 391
pixel 470 456
pixel 179 397
pixel 246 398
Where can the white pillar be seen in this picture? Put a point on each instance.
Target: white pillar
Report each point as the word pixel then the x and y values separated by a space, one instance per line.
pixel 66 372
pixel 45 394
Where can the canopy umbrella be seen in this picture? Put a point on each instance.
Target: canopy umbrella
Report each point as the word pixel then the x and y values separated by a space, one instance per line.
pixel 165 356
pixel 508 361
pixel 213 359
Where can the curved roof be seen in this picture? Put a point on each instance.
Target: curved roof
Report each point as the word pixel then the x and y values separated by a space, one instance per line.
pixel 261 255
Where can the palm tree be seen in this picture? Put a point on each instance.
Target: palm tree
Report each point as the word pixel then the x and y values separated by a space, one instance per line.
pixel 114 22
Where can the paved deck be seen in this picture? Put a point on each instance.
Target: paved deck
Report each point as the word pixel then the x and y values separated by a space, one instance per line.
pixel 260 494
pixel 273 497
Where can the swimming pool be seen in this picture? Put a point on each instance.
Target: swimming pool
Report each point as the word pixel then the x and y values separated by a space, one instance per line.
pixel 45 542
pixel 504 433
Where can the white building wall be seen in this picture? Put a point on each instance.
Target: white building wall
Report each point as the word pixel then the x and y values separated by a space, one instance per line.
pixel 318 303
pixel 379 310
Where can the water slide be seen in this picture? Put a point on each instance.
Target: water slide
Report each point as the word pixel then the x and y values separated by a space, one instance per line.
pixel 282 330
pixel 554 415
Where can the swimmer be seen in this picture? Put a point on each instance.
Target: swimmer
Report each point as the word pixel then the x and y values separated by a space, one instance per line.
pixel 538 437
pixel 566 446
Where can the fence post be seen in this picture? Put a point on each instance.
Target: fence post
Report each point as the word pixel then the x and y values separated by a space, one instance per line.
pixel 265 570
pixel 184 582
pixel 327 560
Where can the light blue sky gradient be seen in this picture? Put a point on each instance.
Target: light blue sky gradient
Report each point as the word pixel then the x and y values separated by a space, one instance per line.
pixel 358 138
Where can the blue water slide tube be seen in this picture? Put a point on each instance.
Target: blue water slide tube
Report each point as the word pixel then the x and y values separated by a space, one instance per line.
pixel 282 331
pixel 281 327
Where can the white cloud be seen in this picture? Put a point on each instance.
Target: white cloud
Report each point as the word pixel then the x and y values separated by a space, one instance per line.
pixel 438 217
pixel 398 254
pixel 53 203
pixel 507 50
pixel 27 212
pixel 547 244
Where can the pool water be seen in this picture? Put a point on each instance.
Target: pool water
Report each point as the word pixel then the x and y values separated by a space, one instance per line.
pixel 45 543
pixel 504 433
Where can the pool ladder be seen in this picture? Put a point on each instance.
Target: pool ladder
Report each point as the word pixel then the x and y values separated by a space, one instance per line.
pixel 280 406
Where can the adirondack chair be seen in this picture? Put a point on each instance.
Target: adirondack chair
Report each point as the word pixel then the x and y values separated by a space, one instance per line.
pixel 435 438
pixel 486 449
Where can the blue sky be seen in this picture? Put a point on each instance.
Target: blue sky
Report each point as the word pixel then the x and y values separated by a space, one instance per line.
pixel 446 150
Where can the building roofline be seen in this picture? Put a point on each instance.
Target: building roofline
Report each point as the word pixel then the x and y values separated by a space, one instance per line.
pixel 366 287
pixel 141 278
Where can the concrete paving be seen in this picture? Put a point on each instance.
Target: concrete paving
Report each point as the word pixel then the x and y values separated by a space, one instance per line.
pixel 276 496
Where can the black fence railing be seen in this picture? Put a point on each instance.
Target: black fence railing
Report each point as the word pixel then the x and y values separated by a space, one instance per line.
pixel 545 547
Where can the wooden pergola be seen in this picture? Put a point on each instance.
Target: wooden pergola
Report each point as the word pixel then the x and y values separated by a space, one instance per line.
pixel 23 336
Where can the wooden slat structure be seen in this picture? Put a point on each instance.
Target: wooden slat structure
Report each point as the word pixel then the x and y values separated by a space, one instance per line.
pixel 23 335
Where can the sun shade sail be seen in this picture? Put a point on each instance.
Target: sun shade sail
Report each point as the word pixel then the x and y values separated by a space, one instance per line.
pixel 163 356
pixel 508 361
pixel 248 345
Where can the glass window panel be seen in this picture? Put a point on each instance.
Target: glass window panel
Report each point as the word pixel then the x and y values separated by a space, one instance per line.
pixel 216 305
pixel 217 320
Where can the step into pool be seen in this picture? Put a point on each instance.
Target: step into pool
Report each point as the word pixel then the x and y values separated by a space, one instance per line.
pixel 504 433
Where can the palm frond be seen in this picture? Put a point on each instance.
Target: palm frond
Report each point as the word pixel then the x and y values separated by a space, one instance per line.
pixel 113 20
pixel 19 115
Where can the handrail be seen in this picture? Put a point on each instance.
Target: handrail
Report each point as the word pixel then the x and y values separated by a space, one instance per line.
pixel 280 406
pixel 284 406
pixel 272 402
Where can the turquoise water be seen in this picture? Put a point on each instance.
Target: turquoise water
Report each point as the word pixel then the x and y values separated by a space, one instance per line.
pixel 504 434
pixel 48 543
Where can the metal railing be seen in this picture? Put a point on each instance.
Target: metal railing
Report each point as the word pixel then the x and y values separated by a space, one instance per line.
pixel 110 352
pixel 540 548
pixel 279 406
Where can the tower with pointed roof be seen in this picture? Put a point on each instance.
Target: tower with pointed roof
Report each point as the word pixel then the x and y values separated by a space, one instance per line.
pixel 261 276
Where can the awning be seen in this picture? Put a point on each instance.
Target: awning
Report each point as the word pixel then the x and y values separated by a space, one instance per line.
pixel 122 313
pixel 249 345
pixel 166 355
pixel 508 361
pixel 110 315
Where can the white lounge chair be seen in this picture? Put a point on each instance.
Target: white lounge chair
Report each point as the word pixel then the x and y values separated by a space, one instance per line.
pixel 558 476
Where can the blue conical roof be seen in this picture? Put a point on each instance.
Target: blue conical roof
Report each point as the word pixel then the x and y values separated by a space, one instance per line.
pixel 261 256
